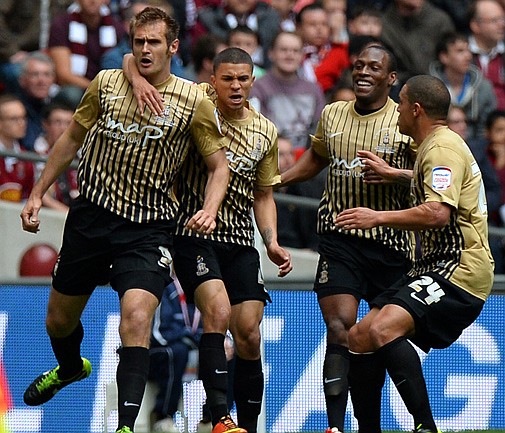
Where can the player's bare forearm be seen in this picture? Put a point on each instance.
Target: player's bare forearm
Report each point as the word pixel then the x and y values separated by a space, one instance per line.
pixel 309 164
pixel 265 214
pixel 204 221
pixel 62 154
pixel 217 181
pixel 430 215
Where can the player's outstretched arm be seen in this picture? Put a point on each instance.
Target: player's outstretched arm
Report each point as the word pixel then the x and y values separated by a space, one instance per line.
pixel 63 153
pixel 204 221
pixel 309 164
pixel 265 213
pixel 429 215
pixel 144 92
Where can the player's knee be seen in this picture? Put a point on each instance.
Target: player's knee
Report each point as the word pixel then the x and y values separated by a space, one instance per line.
pixel 379 334
pixel 59 324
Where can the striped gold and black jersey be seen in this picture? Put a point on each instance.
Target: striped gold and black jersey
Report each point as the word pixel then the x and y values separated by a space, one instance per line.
pixel 446 172
pixel 341 132
pixel 252 159
pixel 129 161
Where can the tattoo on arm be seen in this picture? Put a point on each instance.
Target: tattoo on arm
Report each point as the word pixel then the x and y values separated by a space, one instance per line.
pixel 267 236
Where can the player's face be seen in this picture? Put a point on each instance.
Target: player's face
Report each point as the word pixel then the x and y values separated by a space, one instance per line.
pixel 406 117
pixel 371 79
pixel 152 54
pixel 233 83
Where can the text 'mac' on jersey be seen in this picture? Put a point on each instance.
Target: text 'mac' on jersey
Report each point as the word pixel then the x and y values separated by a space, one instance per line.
pixel 446 172
pixel 129 162
pixel 341 132
pixel 252 156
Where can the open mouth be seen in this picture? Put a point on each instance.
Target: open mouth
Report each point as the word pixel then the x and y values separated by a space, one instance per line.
pixel 145 61
pixel 236 98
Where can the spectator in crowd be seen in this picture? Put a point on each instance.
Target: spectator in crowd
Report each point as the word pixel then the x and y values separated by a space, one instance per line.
pixel 78 39
pixel 364 20
pixel 487 26
pixel 19 34
pixel 35 87
pixel 247 39
pixel 457 122
pixel 312 25
pixel 56 118
pixel 285 9
pixel 176 332
pixel 333 56
pixel 205 49
pixel 358 264
pixel 458 11
pixel 113 58
pixel 255 14
pixel 411 29
pixel 16 176
pixel 292 103
pixel 495 132
pixel 467 86
pixel 444 292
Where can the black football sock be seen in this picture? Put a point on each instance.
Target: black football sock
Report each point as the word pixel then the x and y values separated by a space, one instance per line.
pixel 214 373
pixel 248 387
pixel 67 351
pixel 131 377
pixel 335 384
pixel 404 367
pixel 366 380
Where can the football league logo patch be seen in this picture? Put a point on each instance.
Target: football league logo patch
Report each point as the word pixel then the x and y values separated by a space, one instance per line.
pixel 441 178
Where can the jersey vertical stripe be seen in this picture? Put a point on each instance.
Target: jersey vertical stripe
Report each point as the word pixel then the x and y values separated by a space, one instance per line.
pixel 341 133
pixel 129 162
pixel 252 159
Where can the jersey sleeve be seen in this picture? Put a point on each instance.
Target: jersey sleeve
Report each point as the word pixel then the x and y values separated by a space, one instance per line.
pixel 443 172
pixel 206 128
pixel 89 109
pixel 318 143
pixel 268 173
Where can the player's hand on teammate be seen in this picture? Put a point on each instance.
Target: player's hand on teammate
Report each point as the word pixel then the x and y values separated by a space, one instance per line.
pixel 202 222
pixel 146 94
pixel 30 214
pixel 281 258
pixel 357 218
pixel 375 170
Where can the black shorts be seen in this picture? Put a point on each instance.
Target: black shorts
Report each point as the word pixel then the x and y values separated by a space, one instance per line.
pixel 441 310
pixel 198 260
pixel 356 266
pixel 100 247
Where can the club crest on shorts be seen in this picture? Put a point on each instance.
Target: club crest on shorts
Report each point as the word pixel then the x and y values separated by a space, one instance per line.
pixel 323 274
pixel 201 266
